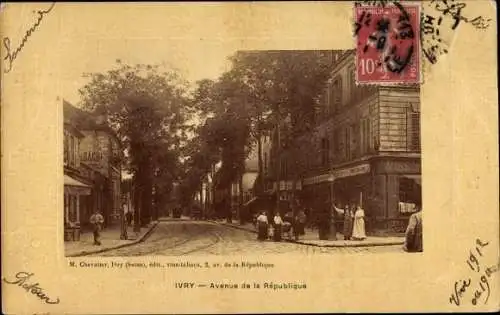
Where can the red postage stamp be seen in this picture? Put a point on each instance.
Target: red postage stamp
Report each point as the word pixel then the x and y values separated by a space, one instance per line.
pixel 388 44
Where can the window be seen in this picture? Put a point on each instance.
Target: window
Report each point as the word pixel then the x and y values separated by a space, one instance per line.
pixel 352 83
pixel 66 149
pixel 283 168
pixel 406 189
pixel 336 143
pixel 365 136
pixel 265 163
pixel 325 150
pixel 347 143
pixel 337 94
pixel 77 152
pixel 66 207
pixel 413 131
pixel 71 151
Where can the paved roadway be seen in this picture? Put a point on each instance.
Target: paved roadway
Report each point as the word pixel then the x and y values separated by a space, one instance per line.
pixel 177 238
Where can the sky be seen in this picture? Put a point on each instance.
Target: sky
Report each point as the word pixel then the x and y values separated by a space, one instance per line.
pixel 94 40
pixel 195 38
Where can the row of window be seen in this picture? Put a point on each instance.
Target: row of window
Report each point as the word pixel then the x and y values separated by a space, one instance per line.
pixel 71 149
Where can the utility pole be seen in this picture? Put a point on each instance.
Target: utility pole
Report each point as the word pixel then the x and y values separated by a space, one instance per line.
pixel 333 212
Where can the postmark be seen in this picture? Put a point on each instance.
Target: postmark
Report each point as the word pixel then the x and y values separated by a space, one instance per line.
pixel 387 43
pixel 439 22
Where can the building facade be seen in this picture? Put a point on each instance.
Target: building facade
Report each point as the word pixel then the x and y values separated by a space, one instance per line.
pixel 98 155
pixel 365 149
pixel 76 186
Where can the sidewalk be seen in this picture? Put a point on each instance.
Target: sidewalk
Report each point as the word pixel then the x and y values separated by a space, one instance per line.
pixel 110 239
pixel 312 238
pixel 168 219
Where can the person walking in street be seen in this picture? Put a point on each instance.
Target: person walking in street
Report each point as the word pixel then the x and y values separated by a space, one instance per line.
pixel 262 226
pixel 124 225
pixel 278 223
pixel 413 234
pixel 97 220
pixel 358 232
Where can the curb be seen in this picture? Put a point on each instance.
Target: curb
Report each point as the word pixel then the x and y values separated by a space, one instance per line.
pixel 318 245
pixel 139 240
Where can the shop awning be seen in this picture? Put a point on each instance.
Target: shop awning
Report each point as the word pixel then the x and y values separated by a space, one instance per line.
pixel 75 187
pixel 416 178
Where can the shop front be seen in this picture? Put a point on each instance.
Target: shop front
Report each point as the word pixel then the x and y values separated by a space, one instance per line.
pixel 398 191
pixel 74 192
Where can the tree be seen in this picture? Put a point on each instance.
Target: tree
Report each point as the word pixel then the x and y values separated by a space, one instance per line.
pixel 282 87
pixel 147 108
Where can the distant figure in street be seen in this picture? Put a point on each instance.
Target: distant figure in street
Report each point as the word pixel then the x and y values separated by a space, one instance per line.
pixel 413 235
pixel 358 232
pixel 278 223
pixel 300 223
pixel 262 226
pixel 348 217
pixel 97 220
pixel 288 223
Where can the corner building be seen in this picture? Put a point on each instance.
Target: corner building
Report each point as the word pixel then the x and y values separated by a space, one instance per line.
pixel 367 144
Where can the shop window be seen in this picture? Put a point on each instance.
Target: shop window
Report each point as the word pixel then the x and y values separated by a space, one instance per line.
pixel 406 203
pixel 72 208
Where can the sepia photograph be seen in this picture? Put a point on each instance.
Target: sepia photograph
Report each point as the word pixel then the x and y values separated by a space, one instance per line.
pixel 282 150
pixel 249 157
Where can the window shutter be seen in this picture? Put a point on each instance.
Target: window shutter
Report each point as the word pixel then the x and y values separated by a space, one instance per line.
pixel 413 131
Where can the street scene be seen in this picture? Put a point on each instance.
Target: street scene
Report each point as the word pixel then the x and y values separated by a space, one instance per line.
pixel 204 238
pixel 282 152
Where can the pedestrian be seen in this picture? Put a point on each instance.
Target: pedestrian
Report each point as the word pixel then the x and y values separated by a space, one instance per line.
pixel 300 223
pixel 324 223
pixel 413 234
pixel 288 223
pixel 97 220
pixel 358 232
pixel 262 226
pixel 347 222
pixel 278 223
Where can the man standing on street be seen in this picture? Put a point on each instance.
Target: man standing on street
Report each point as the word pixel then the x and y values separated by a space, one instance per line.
pixel 97 220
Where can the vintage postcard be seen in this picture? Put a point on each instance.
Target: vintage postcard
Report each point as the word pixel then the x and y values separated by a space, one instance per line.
pixel 249 157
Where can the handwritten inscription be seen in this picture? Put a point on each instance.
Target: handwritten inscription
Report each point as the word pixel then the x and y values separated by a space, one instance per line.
pixel 22 279
pixel 478 289
pixel 12 54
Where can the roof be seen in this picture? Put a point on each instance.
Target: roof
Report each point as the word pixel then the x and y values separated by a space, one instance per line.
pixel 84 120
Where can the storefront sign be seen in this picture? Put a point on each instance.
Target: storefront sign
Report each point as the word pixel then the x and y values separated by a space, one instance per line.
pixel 399 167
pixel 91 156
pixel 356 170
pixel 336 174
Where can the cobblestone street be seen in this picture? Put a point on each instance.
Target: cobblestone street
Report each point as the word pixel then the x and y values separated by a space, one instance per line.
pixel 205 238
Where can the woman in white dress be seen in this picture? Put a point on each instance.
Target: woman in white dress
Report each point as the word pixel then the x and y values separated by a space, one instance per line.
pixel 358 232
